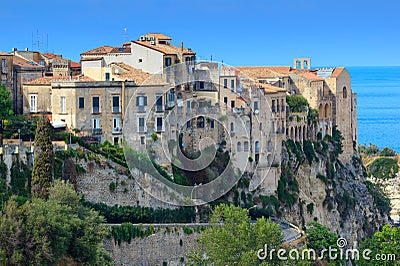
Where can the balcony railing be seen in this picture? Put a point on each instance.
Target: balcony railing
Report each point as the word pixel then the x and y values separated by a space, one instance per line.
pixel 159 128
pixel 116 109
pixel 96 110
pixel 232 134
pixel 117 130
pixel 97 131
pixel 141 109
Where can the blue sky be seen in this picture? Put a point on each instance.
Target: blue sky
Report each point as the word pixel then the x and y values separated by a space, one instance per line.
pixel 332 33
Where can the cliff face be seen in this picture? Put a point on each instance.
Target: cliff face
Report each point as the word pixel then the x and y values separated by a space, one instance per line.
pixel 325 190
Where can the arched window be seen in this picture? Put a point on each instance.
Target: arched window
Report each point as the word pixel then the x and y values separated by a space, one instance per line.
pixel 179 96
pixel 344 92
pixel 200 122
pixel 269 145
pixel 239 146
pixel 320 112
pixel 257 146
pixel 326 111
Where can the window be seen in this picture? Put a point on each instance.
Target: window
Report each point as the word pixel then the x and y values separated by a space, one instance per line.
pixel 159 124
pixel 140 60
pixel 116 125
pixel 246 146
pixel 3 64
pixel 188 124
pixel 201 85
pixel 344 92
pixel 255 106
pixel 41 62
pixel 141 102
pixel 159 104
pixel 225 83
pixel 232 84
pixel 257 146
pixel 63 105
pixel 96 123
pixel 81 102
pixel 141 124
pixel 232 130
pixel 226 100
pixel 33 103
pixel 200 122
pixel 116 141
pixel 283 105
pixel 239 147
pixel 232 104
pixel 212 124
pixel 142 140
pixel 168 61
pixel 107 76
pixel 273 106
pixel 96 105
pixel 115 104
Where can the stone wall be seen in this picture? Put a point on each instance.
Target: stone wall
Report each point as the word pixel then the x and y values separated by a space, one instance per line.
pixel 167 246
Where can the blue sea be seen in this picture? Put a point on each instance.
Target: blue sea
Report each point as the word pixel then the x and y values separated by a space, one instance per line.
pixel 378 94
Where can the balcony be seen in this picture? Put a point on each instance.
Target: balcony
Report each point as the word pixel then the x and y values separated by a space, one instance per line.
pixel 96 110
pixel 159 108
pixel 232 134
pixel 141 109
pixel 169 105
pixel 159 129
pixel 238 110
pixel 116 109
pixel 97 131
pixel 117 130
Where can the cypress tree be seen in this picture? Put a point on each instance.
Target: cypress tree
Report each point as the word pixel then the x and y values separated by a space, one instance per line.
pixel 42 174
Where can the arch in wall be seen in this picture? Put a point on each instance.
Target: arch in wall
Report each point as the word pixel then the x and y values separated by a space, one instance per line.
pixel 296 131
pixel 239 147
pixel 304 132
pixel 327 111
pixel 344 92
pixel 320 112
pixel 291 133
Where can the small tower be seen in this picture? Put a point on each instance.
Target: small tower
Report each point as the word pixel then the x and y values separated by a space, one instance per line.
pixel 302 63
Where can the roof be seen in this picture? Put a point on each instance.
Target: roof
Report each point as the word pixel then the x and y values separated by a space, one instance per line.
pixel 99 50
pixel 50 55
pixel 75 64
pixel 3 53
pixel 307 74
pixel 92 58
pixel 167 49
pixel 336 73
pixel 269 88
pixel 49 80
pixel 256 72
pixel 131 74
pixel 22 62
pixel 159 36
pixel 120 50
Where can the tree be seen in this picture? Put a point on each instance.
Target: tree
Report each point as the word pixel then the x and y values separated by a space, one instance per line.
pixel 320 237
pixel 384 242
pixel 41 232
pixel 297 103
pixel 42 174
pixel 234 240
pixel 388 152
pixel 5 108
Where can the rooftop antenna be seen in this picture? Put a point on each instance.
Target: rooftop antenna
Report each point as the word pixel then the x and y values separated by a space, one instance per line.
pixel 211 58
pixel 38 40
pixel 124 35
pixel 47 43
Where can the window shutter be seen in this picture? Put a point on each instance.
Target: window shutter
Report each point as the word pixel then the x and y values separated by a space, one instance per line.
pixel 145 100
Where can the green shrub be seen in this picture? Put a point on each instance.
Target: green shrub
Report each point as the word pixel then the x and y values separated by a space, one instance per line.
pixel 384 168
pixel 154 137
pixel 113 186
pixel 297 103
pixel 388 152
pixel 310 208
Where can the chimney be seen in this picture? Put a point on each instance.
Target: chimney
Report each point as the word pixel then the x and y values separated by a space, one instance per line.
pixel 182 46
pixel 26 49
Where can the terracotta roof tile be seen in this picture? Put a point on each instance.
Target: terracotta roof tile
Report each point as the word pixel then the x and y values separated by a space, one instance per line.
pixel 99 50
pixel 121 50
pixel 92 58
pixel 159 36
pixel 22 62
pixel 3 53
pixel 269 88
pixel 307 74
pixel 49 80
pixel 337 72
pixel 256 72
pixel 165 48
pixel 131 74
pixel 75 64
pixel 50 55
